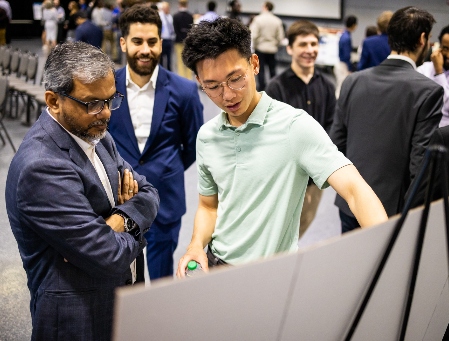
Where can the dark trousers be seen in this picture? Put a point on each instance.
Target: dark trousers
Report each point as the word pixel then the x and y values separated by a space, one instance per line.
pixel 348 223
pixel 167 48
pixel 162 242
pixel 265 59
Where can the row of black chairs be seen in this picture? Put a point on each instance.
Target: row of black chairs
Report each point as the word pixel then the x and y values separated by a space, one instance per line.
pixel 20 71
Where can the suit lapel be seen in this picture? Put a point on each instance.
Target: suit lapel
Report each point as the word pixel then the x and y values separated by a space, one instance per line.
pixel 123 111
pixel 160 103
pixel 110 166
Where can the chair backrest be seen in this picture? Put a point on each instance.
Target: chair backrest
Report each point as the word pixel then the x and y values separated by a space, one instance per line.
pixel 6 60
pixel 23 65
pixel 33 60
pixel 15 61
pixel 4 87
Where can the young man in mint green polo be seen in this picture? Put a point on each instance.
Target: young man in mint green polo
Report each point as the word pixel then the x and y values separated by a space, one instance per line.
pixel 255 158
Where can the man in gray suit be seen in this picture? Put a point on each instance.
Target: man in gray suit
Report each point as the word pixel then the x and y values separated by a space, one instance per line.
pixel 77 210
pixel 386 115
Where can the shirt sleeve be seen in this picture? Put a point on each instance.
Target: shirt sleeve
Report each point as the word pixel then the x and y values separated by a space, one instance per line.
pixel 206 183
pixel 314 151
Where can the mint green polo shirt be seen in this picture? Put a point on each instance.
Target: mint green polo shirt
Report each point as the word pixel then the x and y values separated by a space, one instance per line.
pixel 260 172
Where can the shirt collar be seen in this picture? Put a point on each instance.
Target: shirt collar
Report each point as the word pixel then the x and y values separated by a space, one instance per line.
pixel 85 146
pixel 404 58
pixel 152 81
pixel 257 117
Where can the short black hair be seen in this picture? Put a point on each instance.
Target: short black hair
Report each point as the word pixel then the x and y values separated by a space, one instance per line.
pixel 209 39
pixel 351 20
pixel 269 6
pixel 406 26
pixel 444 31
pixel 140 13
pixel 211 6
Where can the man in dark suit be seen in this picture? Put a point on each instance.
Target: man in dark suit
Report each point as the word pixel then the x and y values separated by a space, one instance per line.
pixel 87 31
pixel 155 128
pixel 386 115
pixel 375 49
pixel 77 209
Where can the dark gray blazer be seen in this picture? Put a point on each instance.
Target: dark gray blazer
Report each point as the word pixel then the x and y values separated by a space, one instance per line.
pixel 57 207
pixel 384 119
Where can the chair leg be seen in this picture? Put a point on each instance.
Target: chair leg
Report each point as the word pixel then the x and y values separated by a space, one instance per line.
pixel 2 126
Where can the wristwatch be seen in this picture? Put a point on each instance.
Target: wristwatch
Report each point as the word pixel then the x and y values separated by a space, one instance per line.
pixel 129 224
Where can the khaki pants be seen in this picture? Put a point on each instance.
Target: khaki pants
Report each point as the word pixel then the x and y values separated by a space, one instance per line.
pixel 311 201
pixel 108 39
pixel 2 36
pixel 183 70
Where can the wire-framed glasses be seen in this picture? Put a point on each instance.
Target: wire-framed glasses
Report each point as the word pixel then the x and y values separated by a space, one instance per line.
pixel 235 82
pixel 94 107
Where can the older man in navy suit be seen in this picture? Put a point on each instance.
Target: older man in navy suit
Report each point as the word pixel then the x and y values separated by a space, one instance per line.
pixel 155 128
pixel 77 209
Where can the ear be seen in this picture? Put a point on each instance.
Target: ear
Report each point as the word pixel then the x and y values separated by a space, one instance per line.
pixel 255 63
pixel 123 44
pixel 53 102
pixel 289 50
pixel 422 39
pixel 198 79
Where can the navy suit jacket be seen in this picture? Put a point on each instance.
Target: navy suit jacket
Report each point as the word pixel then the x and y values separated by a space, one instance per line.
pixel 89 33
pixel 383 122
pixel 375 50
pixel 57 208
pixel 171 146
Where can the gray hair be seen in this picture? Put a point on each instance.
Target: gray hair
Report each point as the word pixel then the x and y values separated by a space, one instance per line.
pixel 75 60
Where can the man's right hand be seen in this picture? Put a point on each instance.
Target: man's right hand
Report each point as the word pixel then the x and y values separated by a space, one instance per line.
pixel 193 253
pixel 437 59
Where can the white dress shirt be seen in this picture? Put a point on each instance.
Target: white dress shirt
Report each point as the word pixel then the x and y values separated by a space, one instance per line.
pixel 141 104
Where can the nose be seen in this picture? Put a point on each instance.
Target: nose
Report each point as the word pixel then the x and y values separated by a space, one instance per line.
pixel 105 112
pixel 145 48
pixel 228 93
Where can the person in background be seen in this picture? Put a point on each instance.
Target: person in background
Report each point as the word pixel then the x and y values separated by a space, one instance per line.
pixel 438 70
pixel 267 33
pixel 375 49
pixel 79 217
pixel 50 18
pixel 210 15
pixel 182 22
pixel 61 18
pixel 235 11
pixel 344 67
pixel 86 31
pixel 155 128
pixel 4 29
pixel 168 35
pixel 102 17
pixel 386 114
pixel 304 86
pixel 254 159
pixel 70 24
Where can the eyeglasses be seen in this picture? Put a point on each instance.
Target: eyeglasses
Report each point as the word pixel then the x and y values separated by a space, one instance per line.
pixel 235 82
pixel 94 107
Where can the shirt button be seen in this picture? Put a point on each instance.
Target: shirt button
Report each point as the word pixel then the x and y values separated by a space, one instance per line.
pixel 308 102
pixel 141 162
pixel 237 133
pixel 238 149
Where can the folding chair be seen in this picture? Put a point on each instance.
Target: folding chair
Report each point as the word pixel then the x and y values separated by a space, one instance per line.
pixel 3 96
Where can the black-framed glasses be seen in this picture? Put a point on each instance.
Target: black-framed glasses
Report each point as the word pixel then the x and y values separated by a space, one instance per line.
pixel 94 107
pixel 235 82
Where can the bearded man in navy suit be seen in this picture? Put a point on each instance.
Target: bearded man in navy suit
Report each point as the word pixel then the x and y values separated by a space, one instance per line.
pixel 155 128
pixel 76 208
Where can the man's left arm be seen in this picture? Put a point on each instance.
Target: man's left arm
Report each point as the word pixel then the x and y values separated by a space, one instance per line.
pixel 191 118
pixel 427 121
pixel 363 202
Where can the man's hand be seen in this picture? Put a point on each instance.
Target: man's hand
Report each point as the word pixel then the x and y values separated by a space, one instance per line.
pixel 127 188
pixel 437 59
pixel 195 253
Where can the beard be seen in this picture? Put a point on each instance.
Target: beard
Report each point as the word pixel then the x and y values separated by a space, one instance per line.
pixel 83 133
pixel 142 70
